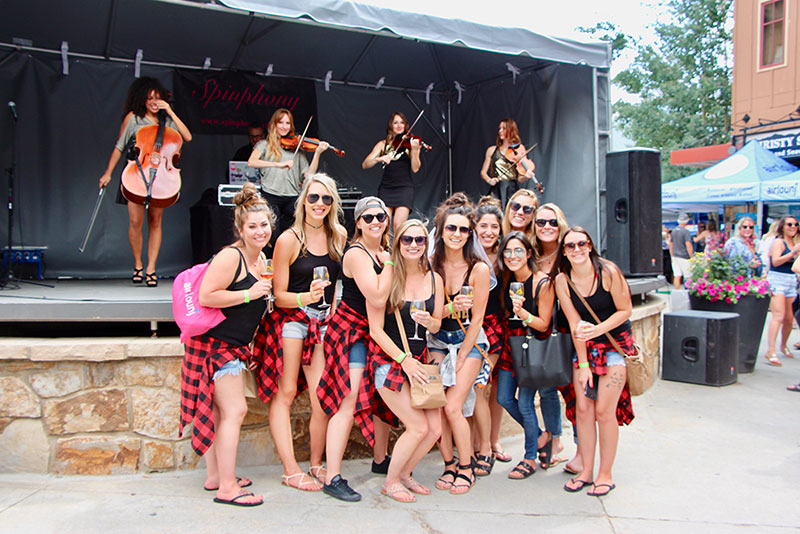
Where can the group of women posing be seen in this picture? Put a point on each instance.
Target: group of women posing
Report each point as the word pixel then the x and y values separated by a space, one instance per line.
pixel 427 297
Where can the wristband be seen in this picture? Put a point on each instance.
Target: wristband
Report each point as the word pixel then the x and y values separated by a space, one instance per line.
pixel 450 307
pixel 583 365
pixel 529 320
pixel 247 296
pixel 299 304
pixel 389 262
pixel 400 357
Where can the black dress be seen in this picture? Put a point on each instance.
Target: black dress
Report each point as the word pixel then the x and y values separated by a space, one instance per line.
pixel 397 186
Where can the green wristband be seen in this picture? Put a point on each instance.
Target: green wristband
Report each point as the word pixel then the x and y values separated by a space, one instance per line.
pixel 299 304
pixel 450 307
pixel 529 319
pixel 583 364
pixel 400 357
pixel 247 296
pixel 389 262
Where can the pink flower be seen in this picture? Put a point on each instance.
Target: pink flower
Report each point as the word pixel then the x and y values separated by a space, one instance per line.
pixel 739 278
pixel 728 300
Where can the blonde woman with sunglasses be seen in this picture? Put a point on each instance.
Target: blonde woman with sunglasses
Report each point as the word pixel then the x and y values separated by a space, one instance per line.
pixel 519 213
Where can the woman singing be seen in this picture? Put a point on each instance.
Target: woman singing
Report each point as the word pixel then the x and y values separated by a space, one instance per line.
pixel 499 169
pixel 306 257
pixel 146 97
pixel 282 171
pixel 397 186
pixel 212 386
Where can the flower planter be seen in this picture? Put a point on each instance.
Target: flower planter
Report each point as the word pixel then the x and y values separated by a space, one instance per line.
pixel 752 314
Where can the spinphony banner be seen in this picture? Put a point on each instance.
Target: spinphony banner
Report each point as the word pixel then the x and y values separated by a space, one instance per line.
pixel 225 102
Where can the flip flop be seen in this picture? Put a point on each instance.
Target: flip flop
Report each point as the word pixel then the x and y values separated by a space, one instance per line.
pixel 571 470
pixel 398 489
pixel 501 456
pixel 233 502
pixel 772 359
pixel 415 487
pixel 243 483
pixel 582 483
pixel 786 352
pixel 598 494
pixel 794 387
pixel 557 460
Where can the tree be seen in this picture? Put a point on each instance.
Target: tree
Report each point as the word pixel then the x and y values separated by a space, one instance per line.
pixel 683 81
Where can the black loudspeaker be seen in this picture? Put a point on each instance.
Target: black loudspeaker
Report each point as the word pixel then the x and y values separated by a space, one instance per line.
pixel 633 210
pixel 701 347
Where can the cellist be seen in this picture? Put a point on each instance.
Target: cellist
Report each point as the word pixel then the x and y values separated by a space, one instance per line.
pixel 146 97
pixel 499 169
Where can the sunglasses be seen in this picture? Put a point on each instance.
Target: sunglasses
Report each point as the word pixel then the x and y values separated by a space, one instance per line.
pixel 578 244
pixel 453 229
pixel 747 226
pixel 518 252
pixel 791 224
pixel 516 206
pixel 408 239
pixel 541 223
pixel 369 216
pixel 313 198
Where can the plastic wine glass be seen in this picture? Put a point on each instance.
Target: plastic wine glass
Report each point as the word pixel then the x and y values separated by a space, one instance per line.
pixel 321 273
pixel 467 291
pixel 416 306
pixel 516 291
pixel 267 273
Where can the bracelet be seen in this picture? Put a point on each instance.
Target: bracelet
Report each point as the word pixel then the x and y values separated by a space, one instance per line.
pixel 529 320
pixel 450 307
pixel 247 296
pixel 583 365
pixel 389 262
pixel 400 357
pixel 299 304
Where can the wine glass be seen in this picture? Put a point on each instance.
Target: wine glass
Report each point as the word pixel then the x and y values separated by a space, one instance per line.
pixel 416 306
pixel 266 274
pixel 467 291
pixel 516 291
pixel 321 273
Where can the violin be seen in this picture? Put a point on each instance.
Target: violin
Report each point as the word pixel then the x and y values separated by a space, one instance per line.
pixel 404 141
pixel 309 144
pixel 523 163
pixel 152 177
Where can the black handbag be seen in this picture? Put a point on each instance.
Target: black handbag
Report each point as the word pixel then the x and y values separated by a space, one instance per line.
pixel 542 363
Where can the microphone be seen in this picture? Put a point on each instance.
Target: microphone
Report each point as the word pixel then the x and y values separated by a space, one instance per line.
pixel 13 106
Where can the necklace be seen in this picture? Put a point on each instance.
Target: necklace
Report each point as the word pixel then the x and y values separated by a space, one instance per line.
pixel 314 227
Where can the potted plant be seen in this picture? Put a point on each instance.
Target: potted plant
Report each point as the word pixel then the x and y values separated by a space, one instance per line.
pixel 725 284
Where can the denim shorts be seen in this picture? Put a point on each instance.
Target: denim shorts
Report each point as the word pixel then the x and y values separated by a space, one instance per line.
pixel 612 358
pixel 782 283
pixel 233 367
pixel 299 330
pixel 380 375
pixel 455 337
pixel 357 358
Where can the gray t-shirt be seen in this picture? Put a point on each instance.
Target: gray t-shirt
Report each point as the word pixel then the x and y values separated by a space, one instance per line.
pixel 282 182
pixel 134 125
pixel 680 236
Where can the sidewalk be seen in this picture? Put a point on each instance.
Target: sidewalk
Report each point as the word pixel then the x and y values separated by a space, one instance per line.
pixel 695 459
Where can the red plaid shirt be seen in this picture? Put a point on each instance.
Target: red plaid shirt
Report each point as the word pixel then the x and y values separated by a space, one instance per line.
pixel 203 357
pixel 598 365
pixel 495 330
pixel 268 348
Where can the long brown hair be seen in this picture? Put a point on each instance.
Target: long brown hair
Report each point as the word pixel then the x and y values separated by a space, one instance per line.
pixel 562 263
pixel 333 228
pixel 390 129
pixel 397 293
pixel 273 139
pixel 512 132
pixel 457 204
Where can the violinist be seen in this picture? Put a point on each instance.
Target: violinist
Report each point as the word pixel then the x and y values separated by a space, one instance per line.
pixel 146 98
pixel 400 157
pixel 282 170
pixel 500 169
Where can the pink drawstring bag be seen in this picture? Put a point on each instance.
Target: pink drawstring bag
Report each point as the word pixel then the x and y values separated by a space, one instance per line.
pixel 192 318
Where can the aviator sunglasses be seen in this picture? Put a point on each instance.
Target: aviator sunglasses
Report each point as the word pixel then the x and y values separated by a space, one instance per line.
pixel 541 223
pixel 314 197
pixel 369 216
pixel 516 206
pixel 408 239
pixel 577 244
pixel 518 252
pixel 453 229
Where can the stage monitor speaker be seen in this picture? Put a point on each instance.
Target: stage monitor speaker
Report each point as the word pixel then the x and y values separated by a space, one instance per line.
pixel 633 211
pixel 701 347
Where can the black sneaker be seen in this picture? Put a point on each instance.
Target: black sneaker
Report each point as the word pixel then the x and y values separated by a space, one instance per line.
pixel 339 489
pixel 383 467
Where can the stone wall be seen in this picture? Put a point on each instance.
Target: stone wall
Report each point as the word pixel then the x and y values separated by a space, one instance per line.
pixel 110 406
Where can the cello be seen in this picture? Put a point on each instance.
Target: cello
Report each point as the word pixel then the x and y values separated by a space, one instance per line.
pixel 152 177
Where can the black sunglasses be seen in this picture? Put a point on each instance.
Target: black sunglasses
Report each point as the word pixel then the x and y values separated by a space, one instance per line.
pixel 314 197
pixel 408 239
pixel 453 228
pixel 791 224
pixel 578 244
pixel 541 223
pixel 369 216
pixel 516 206
pixel 747 226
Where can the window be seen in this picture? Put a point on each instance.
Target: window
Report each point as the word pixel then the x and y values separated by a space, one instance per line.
pixel 773 16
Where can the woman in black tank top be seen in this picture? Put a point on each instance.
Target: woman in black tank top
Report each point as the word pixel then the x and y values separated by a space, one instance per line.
pixel 315 239
pixel 783 283
pixel 605 289
pixel 232 283
pixel 413 281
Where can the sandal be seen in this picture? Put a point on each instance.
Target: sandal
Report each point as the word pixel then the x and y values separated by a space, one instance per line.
pixel 546 452
pixel 786 352
pixel 303 485
pixel 445 485
pixel 151 280
pixel 461 489
pixel 137 277
pixel 314 470
pixel 571 470
pixel 415 486
pixel 396 491
pixel 243 482
pixel 236 502
pixel 501 456
pixel 524 469
pixel 772 359
pixel 581 484
pixel 482 466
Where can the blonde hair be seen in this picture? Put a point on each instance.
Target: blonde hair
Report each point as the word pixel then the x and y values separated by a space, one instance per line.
pixel 506 215
pixel 563 226
pixel 397 293
pixel 248 200
pixel 333 228
pixel 273 139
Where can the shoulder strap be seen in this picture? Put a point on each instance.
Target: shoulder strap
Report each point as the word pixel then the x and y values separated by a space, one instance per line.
pixel 402 329
pixel 594 315
pixel 239 265
pixel 483 352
